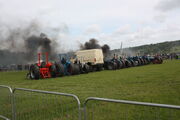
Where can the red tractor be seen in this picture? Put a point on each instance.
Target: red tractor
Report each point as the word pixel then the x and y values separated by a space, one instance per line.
pixel 42 69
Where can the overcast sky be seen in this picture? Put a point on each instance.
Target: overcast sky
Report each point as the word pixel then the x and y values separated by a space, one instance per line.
pixel 132 22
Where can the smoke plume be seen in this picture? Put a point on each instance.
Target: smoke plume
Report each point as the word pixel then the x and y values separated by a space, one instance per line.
pixel 20 45
pixel 93 44
pixel 41 44
pixel 105 48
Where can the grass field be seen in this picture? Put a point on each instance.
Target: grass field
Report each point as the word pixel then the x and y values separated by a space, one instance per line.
pixel 151 83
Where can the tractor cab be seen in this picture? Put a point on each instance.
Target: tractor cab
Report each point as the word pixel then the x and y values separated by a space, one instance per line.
pixel 66 58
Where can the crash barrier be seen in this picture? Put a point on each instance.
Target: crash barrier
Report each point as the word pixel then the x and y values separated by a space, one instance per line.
pixel 30 104
pixel 6 105
pixel 111 109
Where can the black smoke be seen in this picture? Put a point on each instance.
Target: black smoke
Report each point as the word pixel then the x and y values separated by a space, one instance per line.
pixel 93 44
pixel 20 45
pixel 42 43
pixel 106 49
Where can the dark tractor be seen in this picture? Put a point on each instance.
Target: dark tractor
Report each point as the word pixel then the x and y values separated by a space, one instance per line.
pixel 156 60
pixel 69 68
pixel 111 64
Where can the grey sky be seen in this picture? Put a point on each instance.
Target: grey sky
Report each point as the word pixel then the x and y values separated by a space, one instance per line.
pixel 168 5
pixel 133 22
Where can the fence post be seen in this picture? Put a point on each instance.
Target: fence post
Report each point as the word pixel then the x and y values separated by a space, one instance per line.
pixel 84 110
pixel 11 99
pixel 13 105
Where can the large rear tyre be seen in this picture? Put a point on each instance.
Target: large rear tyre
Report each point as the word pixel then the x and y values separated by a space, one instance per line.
pixel 160 60
pixel 53 71
pixel 111 66
pixel 59 69
pixel 85 68
pixel 132 63
pixel 139 62
pixel 99 67
pixel 75 69
pixel 135 63
pixel 118 63
pixel 34 72
pixel 128 64
pixel 123 64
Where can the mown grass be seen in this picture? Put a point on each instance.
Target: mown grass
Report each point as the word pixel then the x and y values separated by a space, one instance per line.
pixel 158 83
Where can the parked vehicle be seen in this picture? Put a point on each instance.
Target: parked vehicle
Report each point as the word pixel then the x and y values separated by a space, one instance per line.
pixel 93 59
pixel 42 69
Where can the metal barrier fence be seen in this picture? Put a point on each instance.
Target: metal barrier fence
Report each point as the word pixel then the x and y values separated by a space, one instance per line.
pixel 4 118
pixel 30 104
pixel 6 103
pixel 45 105
pixel 100 109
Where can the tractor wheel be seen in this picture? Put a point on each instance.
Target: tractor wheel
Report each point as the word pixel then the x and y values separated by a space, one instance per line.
pixel 53 70
pixel 146 62
pixel 128 64
pixel 94 68
pixel 118 64
pixel 123 64
pixel 139 62
pixel 86 68
pixel 59 69
pixel 76 69
pixel 154 61
pixel 69 69
pixel 99 68
pixel 34 72
pixel 142 61
pixel 132 63
pixel 90 68
pixel 73 69
pixel 109 66
pixel 161 60
pixel 135 63
pixel 115 66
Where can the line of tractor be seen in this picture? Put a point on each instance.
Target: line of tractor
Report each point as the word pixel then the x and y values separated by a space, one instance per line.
pixel 85 61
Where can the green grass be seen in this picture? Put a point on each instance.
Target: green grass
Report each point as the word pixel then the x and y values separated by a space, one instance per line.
pixel 158 83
